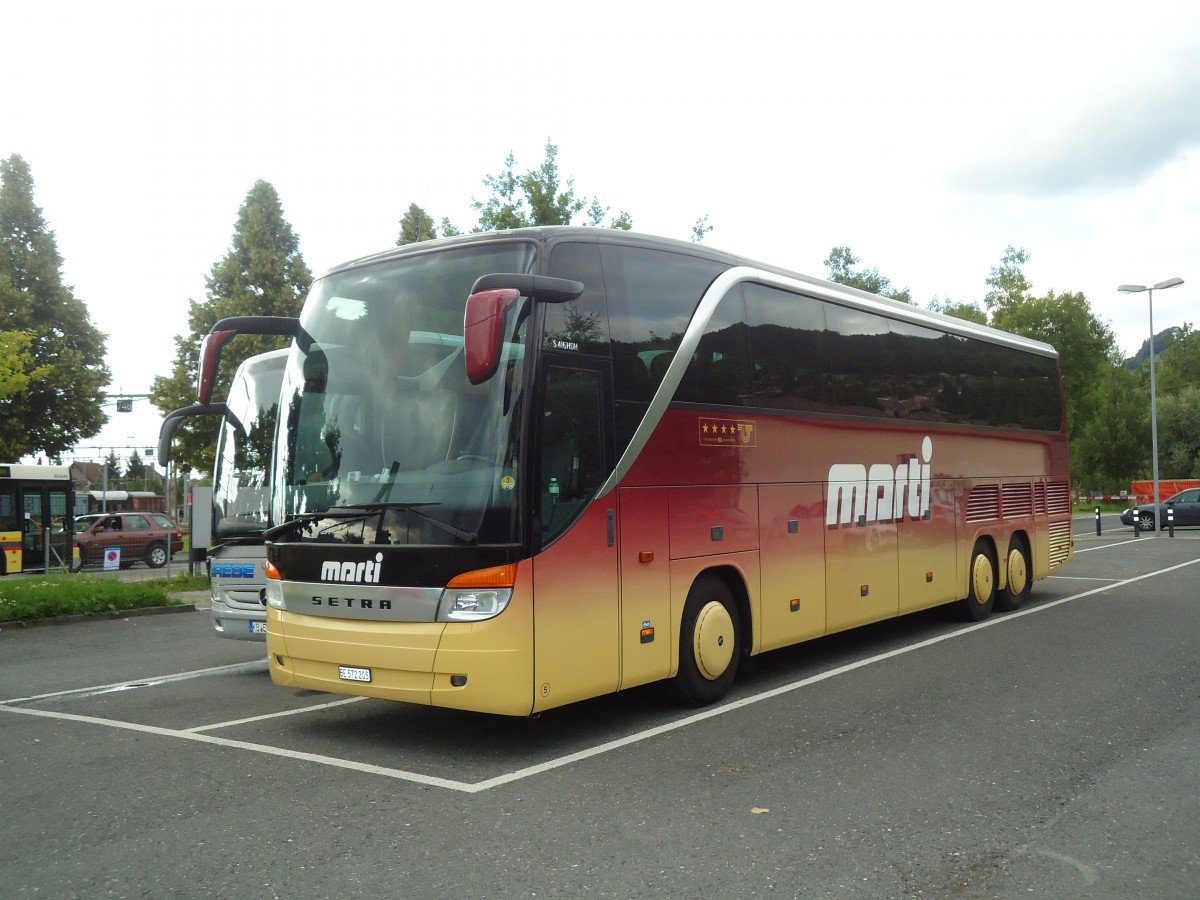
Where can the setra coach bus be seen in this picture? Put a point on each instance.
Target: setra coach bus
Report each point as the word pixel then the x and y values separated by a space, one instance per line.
pixel 515 470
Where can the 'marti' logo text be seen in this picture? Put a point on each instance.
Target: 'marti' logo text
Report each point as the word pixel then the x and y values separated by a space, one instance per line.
pixel 859 496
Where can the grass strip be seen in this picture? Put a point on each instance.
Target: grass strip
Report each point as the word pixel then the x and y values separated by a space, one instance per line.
pixel 57 596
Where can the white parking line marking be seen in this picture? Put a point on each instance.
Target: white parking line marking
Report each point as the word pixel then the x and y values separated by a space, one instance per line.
pixel 274 715
pixel 245 745
pixel 599 749
pixel 231 669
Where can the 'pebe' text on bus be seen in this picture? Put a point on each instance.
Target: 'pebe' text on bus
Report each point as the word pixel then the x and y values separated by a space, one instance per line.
pixel 858 496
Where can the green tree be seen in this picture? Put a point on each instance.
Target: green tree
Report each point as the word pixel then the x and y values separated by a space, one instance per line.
pixel 263 273
pixel 841 262
pixel 623 222
pixel 1179 433
pixel 1178 365
pixel 417 225
pixel 17 366
pixel 1113 447
pixel 113 464
pixel 959 309
pixel 700 230
pixel 61 372
pixel 538 197
pixel 136 469
pixel 1008 281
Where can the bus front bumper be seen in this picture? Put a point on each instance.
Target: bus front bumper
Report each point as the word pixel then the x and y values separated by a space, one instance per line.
pixel 482 666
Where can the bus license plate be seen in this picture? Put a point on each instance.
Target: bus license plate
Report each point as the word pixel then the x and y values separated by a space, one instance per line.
pixel 352 673
pixel 258 627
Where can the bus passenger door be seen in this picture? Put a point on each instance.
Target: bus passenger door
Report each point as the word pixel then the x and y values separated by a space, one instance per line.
pixel 10 528
pixel 32 528
pixel 576 625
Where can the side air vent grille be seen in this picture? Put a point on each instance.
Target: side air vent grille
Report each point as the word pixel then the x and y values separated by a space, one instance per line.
pixel 983 503
pixel 1060 543
pixel 1058 498
pixel 1018 500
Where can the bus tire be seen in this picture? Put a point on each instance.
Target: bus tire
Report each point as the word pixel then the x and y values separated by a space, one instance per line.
pixel 709 643
pixel 156 556
pixel 981 583
pixel 1016 576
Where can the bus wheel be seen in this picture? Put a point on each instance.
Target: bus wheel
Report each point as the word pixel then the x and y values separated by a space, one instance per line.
pixel 981 583
pixel 156 556
pixel 708 643
pixel 1017 583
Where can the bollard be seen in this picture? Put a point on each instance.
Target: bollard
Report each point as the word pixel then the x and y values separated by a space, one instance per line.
pixel 1171 519
pixel 1097 521
pixel 1137 523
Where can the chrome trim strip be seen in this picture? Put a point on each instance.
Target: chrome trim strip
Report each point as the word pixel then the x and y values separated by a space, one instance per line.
pixel 369 602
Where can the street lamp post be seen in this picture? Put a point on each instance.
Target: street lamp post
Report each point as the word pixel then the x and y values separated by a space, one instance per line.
pixel 1137 289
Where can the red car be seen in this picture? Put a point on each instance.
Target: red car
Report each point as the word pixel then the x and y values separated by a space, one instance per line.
pixel 145 536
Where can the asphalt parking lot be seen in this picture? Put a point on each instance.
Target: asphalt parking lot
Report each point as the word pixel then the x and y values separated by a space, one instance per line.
pixel 1049 752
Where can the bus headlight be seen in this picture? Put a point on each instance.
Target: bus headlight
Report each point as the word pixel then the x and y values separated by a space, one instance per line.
pixel 273 593
pixel 472 604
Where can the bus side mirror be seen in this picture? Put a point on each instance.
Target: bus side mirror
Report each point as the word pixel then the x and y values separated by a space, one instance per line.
pixel 483 331
pixel 225 331
pixel 491 297
pixel 210 354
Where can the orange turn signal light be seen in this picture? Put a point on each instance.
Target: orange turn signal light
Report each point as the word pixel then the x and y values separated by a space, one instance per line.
pixel 493 577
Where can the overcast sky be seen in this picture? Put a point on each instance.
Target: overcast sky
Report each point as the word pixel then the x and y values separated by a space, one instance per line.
pixel 926 136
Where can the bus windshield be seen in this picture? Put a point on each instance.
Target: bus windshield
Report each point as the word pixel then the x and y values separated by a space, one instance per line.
pixel 384 439
pixel 241 476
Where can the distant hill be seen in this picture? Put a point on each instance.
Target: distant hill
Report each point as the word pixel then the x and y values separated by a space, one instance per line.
pixel 1162 341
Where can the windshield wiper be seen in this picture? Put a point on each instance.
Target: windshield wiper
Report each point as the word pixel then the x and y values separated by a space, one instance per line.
pixel 467 537
pixel 351 514
pixel 304 519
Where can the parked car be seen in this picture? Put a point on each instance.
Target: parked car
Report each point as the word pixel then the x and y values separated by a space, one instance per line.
pixel 1186 505
pixel 145 536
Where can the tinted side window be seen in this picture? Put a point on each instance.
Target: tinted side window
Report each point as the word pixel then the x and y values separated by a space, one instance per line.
pixel 863 380
pixel 922 386
pixel 1031 390
pixel 580 325
pixel 787 340
pixel 651 297
pixel 719 371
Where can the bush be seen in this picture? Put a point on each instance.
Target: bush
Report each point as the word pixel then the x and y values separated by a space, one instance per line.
pixel 57 596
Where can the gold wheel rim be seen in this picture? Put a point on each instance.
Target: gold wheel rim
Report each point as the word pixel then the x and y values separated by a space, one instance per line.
pixel 1018 574
pixel 713 640
pixel 981 579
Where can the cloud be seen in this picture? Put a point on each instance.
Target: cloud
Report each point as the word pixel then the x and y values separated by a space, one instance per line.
pixel 1115 136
